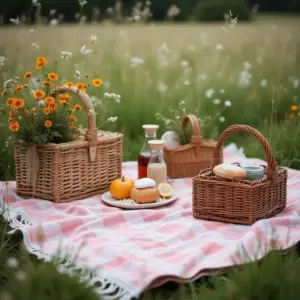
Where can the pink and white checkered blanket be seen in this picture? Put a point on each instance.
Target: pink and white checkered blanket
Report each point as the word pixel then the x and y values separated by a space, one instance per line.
pixel 132 250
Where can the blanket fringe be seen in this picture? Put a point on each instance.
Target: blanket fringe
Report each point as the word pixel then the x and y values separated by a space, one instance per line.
pixel 108 288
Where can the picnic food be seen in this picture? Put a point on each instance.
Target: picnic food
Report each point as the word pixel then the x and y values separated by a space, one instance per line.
pixel 120 188
pixel 144 191
pixel 165 190
pixel 230 171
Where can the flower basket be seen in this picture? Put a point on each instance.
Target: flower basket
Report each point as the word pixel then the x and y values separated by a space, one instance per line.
pixel 74 170
pixel 188 160
pixel 240 201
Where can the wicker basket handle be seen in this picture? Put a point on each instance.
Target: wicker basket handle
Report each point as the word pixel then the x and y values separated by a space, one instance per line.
pixel 92 131
pixel 196 138
pixel 271 168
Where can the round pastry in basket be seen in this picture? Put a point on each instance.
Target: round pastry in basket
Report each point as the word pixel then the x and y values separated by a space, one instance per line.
pixel 230 171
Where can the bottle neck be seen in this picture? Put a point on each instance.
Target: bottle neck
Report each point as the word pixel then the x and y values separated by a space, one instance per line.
pixel 148 137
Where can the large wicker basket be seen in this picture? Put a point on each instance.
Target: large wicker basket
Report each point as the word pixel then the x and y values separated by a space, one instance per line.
pixel 240 201
pixel 75 170
pixel 188 160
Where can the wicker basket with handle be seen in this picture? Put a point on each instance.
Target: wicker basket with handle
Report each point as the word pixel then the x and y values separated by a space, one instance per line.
pixel 240 201
pixel 74 170
pixel 188 160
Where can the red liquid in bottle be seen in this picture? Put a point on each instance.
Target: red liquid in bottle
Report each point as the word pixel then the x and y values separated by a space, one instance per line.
pixel 143 160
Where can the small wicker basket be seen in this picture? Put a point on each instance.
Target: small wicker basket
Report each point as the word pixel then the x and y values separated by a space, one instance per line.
pixel 71 171
pixel 188 160
pixel 240 201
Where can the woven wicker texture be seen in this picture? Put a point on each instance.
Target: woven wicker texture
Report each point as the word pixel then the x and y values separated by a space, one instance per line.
pixel 240 201
pixel 75 170
pixel 188 160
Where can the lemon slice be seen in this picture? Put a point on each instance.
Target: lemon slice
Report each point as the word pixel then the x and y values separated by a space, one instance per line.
pixel 165 190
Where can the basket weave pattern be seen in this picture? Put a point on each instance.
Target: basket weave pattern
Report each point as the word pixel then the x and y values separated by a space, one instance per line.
pixel 75 170
pixel 240 201
pixel 188 160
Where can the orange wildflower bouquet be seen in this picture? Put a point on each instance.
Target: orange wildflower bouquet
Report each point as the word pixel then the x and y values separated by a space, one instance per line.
pixel 37 116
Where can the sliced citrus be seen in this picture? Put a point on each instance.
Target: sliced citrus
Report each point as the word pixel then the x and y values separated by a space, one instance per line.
pixel 165 190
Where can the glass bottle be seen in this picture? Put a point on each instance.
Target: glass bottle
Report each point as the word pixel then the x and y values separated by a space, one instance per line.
pixel 144 155
pixel 157 168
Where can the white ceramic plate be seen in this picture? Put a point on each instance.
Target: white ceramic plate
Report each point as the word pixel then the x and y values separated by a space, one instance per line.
pixel 108 199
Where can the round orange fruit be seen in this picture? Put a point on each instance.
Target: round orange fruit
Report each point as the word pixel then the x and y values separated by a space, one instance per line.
pixel 120 188
pixel 165 190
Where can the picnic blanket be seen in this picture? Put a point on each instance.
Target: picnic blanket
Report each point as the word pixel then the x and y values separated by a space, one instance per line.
pixel 133 250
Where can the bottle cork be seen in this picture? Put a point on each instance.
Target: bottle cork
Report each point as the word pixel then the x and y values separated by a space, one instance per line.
pixel 150 129
pixel 156 145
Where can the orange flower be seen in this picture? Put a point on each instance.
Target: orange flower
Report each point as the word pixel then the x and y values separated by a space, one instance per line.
pixel 52 106
pixel 39 94
pixel 27 75
pixel 97 82
pixel 52 76
pixel 19 88
pixel 48 123
pixel 49 100
pixel 19 103
pixel 73 118
pixel 74 127
pixel 41 62
pixel 10 102
pixel 294 107
pixel 292 116
pixel 14 126
pixel 47 111
pixel 47 83
pixel 11 113
pixel 78 107
pixel 81 86
pixel 69 83
pixel 3 92
pixel 65 97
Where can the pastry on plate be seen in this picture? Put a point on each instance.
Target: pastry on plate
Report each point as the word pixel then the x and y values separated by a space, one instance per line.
pixel 144 191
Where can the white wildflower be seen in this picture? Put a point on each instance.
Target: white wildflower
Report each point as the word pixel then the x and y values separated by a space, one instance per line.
pixel 163 48
pixel 186 82
pixel 112 119
pixel 21 275
pixel 209 93
pixel 84 50
pixel 220 47
pixel 245 78
pixel 66 54
pixel 182 102
pixel 8 83
pixel 52 12
pixel 114 96
pixel 35 46
pixel 12 262
pixel 95 101
pixel 80 130
pixel 162 87
pixel 136 61
pixel 191 47
pixel 202 76
pixel 263 83
pixel 177 117
pixel 54 22
pixel 296 83
pixel 92 113
pixel 31 30
pixel 15 21
pixel 77 74
pixel 93 38
pixel 42 103
pixel 222 119
pixel 6 142
pixel 2 59
pixel 247 65
pixel 216 101
pixel 222 91
pixel 184 64
pixel 82 2
pixel 227 103
pixel 35 2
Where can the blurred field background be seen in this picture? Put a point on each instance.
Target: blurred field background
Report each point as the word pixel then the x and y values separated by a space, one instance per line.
pixel 225 69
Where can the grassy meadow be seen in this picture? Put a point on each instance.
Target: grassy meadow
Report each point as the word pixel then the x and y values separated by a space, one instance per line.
pixel 247 74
